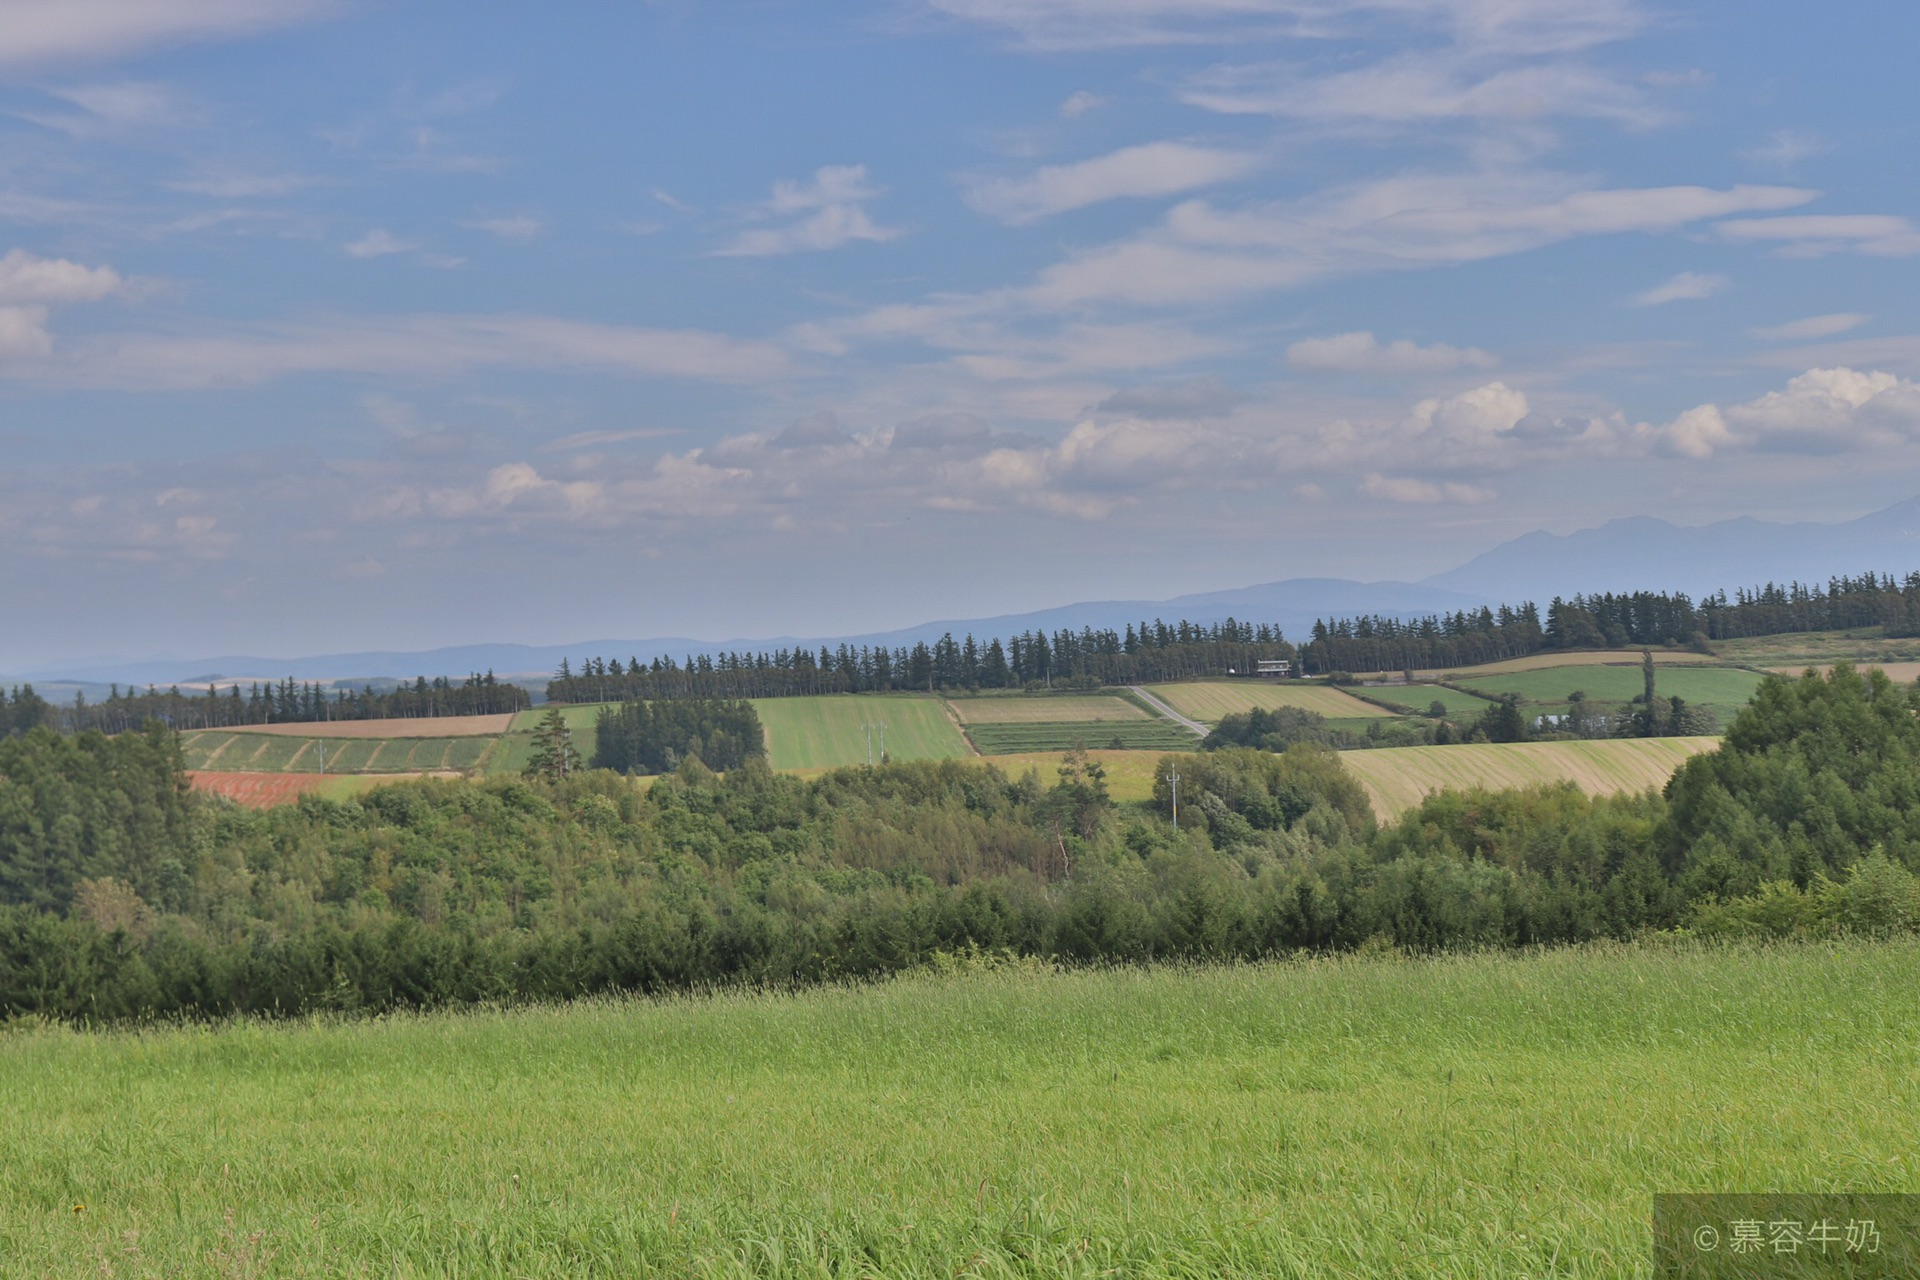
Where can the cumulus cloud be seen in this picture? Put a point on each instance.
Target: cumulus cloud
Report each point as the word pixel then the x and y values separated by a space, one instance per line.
pixel 39 32
pixel 1471 418
pixel 834 215
pixel 30 286
pixel 1684 287
pixel 1822 411
pixel 1812 327
pixel 1153 169
pixel 1363 353
pixel 1815 235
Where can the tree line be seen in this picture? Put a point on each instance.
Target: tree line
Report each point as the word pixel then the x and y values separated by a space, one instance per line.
pixel 123 895
pixel 286 702
pixel 1145 653
pixel 1609 620
pixel 654 737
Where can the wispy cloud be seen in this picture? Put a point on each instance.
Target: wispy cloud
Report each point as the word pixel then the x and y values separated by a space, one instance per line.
pixel 379 243
pixel 40 32
pixel 1815 235
pixel 1687 286
pixel 1152 169
pixel 518 228
pixel 1812 327
pixel 1363 353
pixel 834 215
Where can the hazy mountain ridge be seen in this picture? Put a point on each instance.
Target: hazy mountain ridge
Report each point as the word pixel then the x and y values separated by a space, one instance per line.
pixel 1628 554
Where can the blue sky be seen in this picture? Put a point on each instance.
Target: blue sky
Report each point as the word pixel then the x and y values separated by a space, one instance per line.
pixel 350 325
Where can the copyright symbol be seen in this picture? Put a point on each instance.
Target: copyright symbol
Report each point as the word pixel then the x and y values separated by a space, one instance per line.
pixel 1706 1239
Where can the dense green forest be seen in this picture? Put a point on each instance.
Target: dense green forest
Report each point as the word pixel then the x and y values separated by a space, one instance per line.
pixel 654 737
pixel 1088 658
pixel 1630 620
pixel 283 703
pixel 126 895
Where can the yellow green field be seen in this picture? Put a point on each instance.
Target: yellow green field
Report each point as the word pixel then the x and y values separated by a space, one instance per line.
pixel 1210 702
pixel 810 733
pixel 1399 778
pixel 1045 710
pixel 224 751
pixel 1129 773
pixel 1575 658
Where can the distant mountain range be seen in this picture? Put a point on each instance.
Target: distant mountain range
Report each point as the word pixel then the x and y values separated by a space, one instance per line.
pixel 1621 555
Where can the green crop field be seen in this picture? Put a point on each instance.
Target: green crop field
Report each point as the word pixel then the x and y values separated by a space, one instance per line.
pixel 221 751
pixel 1129 774
pixel 1581 658
pixel 1120 735
pixel 1208 702
pixel 1398 778
pixel 812 733
pixel 1415 699
pixel 1494 1115
pixel 1726 689
pixel 1056 710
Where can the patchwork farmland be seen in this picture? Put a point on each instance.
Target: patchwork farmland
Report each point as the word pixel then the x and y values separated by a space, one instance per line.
pixel 234 751
pixel 823 732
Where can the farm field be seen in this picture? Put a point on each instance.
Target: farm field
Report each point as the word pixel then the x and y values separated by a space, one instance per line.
pixel 1209 702
pixel 1052 710
pixel 1399 778
pixel 1726 689
pixel 411 727
pixel 219 750
pixel 1578 658
pixel 1801 649
pixel 1129 773
pixel 1898 672
pixel 1416 698
pixel 1157 734
pixel 264 790
pixel 811 733
pixel 1494 1115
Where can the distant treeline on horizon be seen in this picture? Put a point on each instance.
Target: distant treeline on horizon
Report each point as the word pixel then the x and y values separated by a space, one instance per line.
pixel 287 702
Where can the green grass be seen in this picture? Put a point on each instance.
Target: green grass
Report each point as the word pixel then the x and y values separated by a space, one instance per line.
pixel 1416 698
pixel 1118 735
pixel 814 733
pixel 283 753
pixel 1467 1117
pixel 1726 689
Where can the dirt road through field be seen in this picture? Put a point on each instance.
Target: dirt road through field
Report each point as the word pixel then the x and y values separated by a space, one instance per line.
pixel 1192 726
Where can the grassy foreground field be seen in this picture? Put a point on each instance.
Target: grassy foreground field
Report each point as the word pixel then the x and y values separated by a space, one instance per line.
pixel 1398 778
pixel 1463 1117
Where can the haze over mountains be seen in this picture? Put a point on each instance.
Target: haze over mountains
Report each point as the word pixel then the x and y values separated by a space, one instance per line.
pixel 1636 553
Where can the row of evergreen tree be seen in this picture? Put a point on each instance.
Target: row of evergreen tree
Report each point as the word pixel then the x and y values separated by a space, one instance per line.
pixel 654 737
pixel 1148 652
pixel 286 702
pixel 1609 620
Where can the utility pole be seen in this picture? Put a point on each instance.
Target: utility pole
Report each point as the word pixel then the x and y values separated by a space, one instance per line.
pixel 1173 777
pixel 323 754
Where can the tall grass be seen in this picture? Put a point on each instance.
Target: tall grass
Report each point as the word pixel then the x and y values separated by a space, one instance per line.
pixel 1493 1115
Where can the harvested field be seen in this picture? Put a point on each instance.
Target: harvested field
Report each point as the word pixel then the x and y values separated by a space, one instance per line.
pixel 1399 778
pixel 1209 702
pixel 1037 710
pixel 1898 672
pixel 415 727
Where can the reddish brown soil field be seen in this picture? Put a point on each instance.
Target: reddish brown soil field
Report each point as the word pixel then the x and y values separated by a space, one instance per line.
pixel 264 790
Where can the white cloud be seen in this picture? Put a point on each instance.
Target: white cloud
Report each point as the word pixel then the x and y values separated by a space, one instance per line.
pixel 37 32
pixel 1421 87
pixel 1080 102
pixel 1471 418
pixel 1813 235
pixel 378 244
pixel 410 345
pixel 1363 353
pixel 1822 411
pixel 28 278
pixel 1202 253
pixel 1812 327
pixel 832 202
pixel 23 332
pixel 1153 169
pixel 1684 287
pixel 520 228
pixel 1409 489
